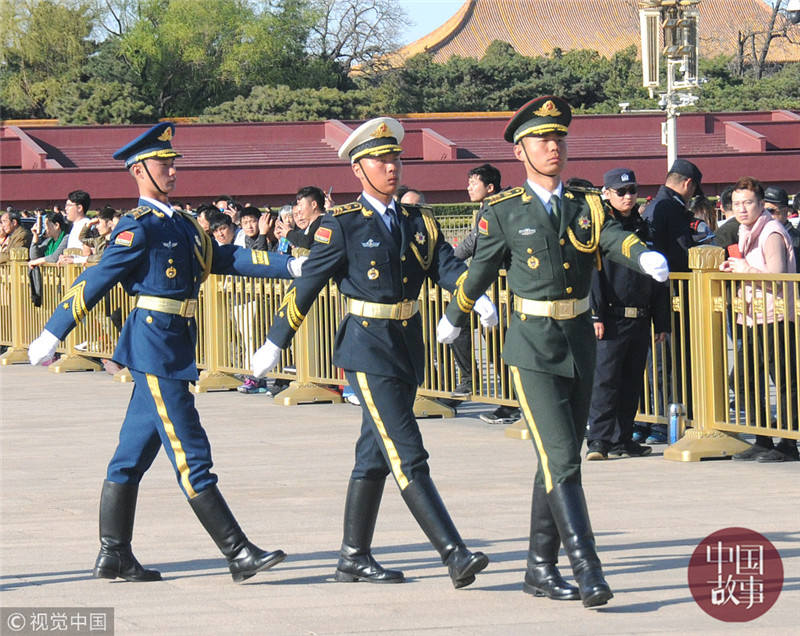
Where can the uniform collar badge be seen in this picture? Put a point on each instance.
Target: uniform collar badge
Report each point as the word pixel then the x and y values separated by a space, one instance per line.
pixel 371 243
pixel 198 241
pixel 419 237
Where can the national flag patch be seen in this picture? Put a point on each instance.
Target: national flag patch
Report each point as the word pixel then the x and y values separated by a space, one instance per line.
pixel 323 235
pixel 483 226
pixel 124 238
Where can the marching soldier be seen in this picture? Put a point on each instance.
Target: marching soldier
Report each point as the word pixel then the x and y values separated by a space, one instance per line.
pixel 379 253
pixel 162 257
pixel 554 237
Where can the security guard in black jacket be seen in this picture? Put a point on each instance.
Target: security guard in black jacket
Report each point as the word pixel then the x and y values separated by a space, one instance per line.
pixel 379 253
pixel 553 236
pixel 623 303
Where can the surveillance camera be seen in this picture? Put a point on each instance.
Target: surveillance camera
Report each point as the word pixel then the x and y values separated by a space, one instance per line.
pixel 624 106
pixel 662 103
pixel 793 11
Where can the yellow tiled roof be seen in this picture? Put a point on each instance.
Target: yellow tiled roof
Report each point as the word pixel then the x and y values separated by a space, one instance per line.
pixel 604 26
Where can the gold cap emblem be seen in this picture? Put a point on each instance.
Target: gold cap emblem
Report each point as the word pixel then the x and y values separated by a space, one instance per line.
pixel 548 109
pixel 166 135
pixel 382 131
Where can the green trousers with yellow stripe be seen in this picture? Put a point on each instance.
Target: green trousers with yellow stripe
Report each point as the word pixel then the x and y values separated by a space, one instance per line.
pixel 556 410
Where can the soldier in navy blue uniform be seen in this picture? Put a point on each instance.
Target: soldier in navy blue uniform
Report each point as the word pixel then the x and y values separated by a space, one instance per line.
pixel 162 257
pixel 623 302
pixel 379 253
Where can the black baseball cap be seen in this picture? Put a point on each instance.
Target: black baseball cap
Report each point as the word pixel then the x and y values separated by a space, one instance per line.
pixel 687 169
pixel 619 178
pixel 776 195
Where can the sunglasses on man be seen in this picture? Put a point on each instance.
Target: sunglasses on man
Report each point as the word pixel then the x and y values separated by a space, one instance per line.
pixel 621 192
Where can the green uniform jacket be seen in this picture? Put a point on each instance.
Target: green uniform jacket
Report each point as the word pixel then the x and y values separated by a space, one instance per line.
pixel 546 264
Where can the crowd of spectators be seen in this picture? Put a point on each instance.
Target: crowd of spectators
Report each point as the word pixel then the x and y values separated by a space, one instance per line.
pixel 678 218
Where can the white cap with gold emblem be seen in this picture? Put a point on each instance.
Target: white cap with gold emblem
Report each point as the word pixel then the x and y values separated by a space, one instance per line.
pixel 373 138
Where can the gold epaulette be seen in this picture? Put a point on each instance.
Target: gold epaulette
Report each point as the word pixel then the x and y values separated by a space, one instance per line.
pixel 138 213
pixel 344 209
pixel 505 194
pixel 584 189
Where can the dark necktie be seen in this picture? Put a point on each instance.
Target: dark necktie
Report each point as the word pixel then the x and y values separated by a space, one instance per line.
pixel 555 210
pixel 394 226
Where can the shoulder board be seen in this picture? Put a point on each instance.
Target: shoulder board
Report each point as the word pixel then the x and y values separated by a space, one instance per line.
pixel 346 208
pixel 584 189
pixel 505 194
pixel 421 208
pixel 138 213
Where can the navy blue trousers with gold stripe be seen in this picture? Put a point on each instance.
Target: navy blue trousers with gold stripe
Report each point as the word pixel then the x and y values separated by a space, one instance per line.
pixel 390 439
pixel 555 409
pixel 162 413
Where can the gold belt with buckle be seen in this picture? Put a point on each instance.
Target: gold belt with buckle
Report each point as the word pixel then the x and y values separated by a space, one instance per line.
pixel 396 311
pixel 185 308
pixel 556 309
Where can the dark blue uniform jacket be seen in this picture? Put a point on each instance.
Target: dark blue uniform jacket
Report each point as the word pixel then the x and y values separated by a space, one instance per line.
pixel 155 255
pixel 355 248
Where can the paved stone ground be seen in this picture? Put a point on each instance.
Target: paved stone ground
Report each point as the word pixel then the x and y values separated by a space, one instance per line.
pixel 284 472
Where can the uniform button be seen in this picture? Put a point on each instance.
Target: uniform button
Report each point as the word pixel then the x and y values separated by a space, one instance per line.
pixel 530 250
pixel 523 317
pixel 562 242
pixel 372 262
pixel 148 320
pixel 403 257
pixel 364 323
pixel 405 323
pixel 405 279
pixel 566 265
pixel 569 290
pixel 170 261
pixel 188 323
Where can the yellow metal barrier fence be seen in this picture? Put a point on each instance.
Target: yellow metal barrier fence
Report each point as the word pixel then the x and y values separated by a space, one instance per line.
pixel 732 377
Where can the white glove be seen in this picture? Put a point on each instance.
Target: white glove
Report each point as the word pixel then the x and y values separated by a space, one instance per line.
pixel 43 348
pixel 446 332
pixel 654 264
pixel 296 265
pixel 265 358
pixel 486 310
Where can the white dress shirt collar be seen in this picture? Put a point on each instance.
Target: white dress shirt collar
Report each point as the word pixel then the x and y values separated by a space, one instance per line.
pixel 544 194
pixel 164 207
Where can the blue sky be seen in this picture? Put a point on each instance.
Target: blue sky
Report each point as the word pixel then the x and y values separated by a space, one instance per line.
pixel 427 15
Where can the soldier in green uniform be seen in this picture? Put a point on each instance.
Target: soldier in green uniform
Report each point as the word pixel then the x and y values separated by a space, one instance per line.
pixel 554 237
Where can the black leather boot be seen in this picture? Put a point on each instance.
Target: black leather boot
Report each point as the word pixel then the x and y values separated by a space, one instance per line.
pixel 423 500
pixel 568 506
pixel 117 512
pixel 244 558
pixel 360 514
pixel 542 578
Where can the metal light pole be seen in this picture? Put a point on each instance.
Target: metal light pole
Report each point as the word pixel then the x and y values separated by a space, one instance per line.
pixel 675 21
